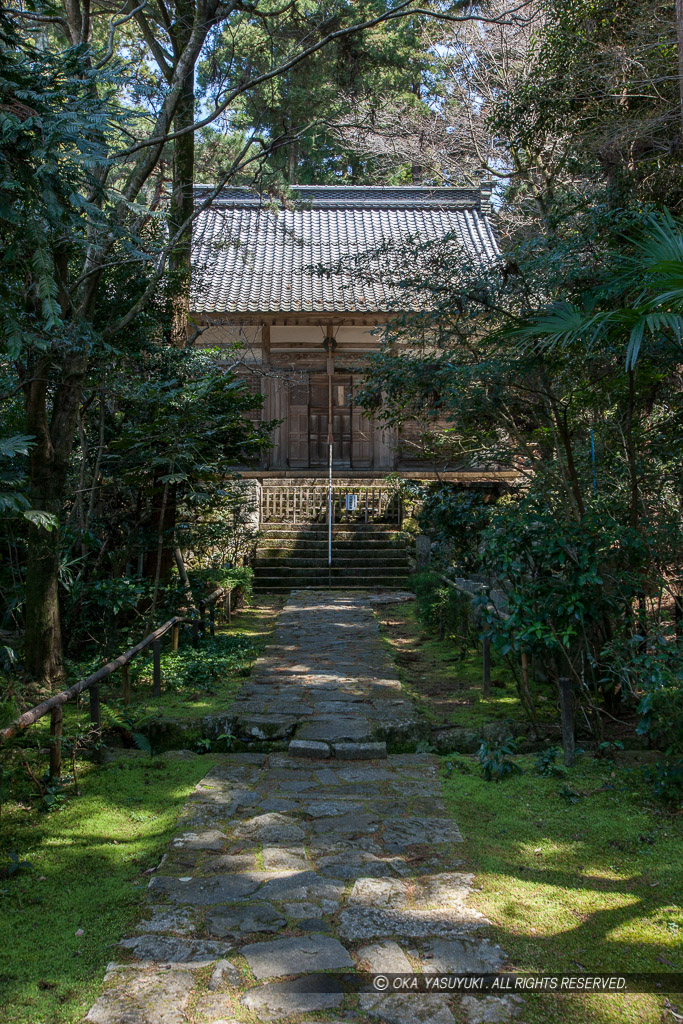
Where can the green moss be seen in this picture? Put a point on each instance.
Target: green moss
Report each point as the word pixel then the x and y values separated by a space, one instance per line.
pixel 88 861
pixel 196 682
pixel 446 687
pixel 593 884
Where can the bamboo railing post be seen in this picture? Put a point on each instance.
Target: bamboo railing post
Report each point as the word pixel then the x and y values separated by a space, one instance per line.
pixel 202 613
pixel 56 727
pixel 125 683
pixel 175 637
pixel 195 632
pixel 212 618
pixel 156 662
pixel 228 606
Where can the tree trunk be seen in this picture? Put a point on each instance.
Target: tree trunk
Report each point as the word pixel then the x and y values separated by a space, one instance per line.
pixel 48 468
pixel 679 39
pixel 182 197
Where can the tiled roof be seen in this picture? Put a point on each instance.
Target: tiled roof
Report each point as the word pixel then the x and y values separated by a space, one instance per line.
pixel 249 257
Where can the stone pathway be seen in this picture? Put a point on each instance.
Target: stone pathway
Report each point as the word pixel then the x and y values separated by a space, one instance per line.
pixel 286 865
pixel 325 685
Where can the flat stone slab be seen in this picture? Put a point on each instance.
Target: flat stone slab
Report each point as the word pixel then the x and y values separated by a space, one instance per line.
pixel 412 1008
pixel 224 973
pixel 244 919
pixel 270 828
pixel 384 958
pixel 335 729
pixel 361 751
pixel 211 839
pixel 296 956
pixel 463 956
pixel 205 891
pixel 309 748
pixel 171 949
pixel 166 919
pixel 303 995
pixel 413 831
pixel 136 997
pixel 302 885
pixel 284 858
pixel 358 923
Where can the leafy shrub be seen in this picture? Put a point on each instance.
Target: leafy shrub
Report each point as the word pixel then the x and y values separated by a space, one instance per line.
pixel 495 759
pixel 546 764
pixel 14 865
pixel 203 667
pixel 445 611
pixel 667 780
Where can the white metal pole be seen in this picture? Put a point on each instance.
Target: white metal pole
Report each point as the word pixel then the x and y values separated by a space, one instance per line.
pixel 329 511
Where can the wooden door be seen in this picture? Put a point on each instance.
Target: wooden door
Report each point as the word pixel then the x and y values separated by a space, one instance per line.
pixel 317 422
pixel 361 435
pixel 319 418
pixel 298 426
pixel 341 420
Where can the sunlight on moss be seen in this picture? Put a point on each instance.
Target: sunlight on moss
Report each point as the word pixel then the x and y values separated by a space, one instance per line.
pixel 88 861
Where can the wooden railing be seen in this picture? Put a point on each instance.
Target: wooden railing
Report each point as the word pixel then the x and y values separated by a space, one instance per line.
pixel 292 503
pixel 53 705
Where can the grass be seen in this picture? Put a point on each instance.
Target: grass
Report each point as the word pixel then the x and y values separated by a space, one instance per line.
pixel 203 680
pixel 589 882
pixel 88 860
pixel 195 683
pixel 89 855
pixel 446 686
pixel 593 884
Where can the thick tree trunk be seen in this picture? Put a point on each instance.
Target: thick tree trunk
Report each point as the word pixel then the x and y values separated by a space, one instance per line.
pixel 182 197
pixel 54 431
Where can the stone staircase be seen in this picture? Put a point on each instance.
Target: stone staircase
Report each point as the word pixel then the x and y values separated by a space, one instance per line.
pixel 364 556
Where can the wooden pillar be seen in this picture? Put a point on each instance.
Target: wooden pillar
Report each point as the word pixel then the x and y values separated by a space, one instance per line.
pixel 156 661
pixel 56 742
pixel 175 637
pixel 212 618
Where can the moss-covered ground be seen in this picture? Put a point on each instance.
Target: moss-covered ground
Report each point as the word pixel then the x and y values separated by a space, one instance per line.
pixel 446 684
pixel 88 843
pixel 60 918
pixel 195 682
pixel 591 880
pixel 574 872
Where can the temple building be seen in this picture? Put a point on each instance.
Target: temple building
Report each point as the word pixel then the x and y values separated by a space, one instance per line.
pixel 297 295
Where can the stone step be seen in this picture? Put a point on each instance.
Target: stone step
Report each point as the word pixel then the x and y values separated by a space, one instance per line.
pixel 350 560
pixel 343 751
pixel 337 572
pixel 346 539
pixel 276 585
pixel 364 530
pixel 375 557
pixel 349 527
